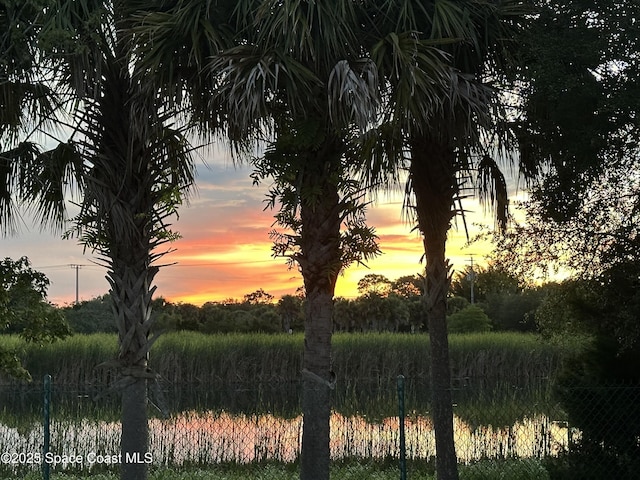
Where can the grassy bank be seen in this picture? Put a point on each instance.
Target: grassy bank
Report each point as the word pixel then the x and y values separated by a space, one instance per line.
pixel 525 469
pixel 188 357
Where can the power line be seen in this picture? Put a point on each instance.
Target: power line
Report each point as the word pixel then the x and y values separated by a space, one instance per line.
pixel 213 264
pixel 66 265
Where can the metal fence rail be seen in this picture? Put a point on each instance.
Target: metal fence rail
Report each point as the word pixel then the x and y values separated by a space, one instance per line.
pixel 534 437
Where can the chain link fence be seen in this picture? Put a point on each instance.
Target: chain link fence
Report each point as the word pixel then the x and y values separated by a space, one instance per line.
pixel 513 433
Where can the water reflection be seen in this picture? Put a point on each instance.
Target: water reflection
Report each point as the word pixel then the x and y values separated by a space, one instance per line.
pixel 211 437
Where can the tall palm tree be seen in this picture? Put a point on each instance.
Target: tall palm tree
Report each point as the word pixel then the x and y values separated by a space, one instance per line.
pixel 133 168
pixel 443 144
pixel 297 75
pixel 311 86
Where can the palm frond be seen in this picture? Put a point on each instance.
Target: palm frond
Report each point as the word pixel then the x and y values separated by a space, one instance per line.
pixel 353 93
pixel 77 36
pixel 417 72
pixel 54 174
pixel 14 183
pixel 492 190
pixel 174 44
pixel 254 84
pixel 449 20
pixel 380 155
pixel 312 32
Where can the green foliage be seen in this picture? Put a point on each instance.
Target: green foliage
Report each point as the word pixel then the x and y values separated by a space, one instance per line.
pixel 604 377
pixel 252 315
pixel 578 129
pixel 27 100
pixel 584 90
pixel 399 309
pixel 374 312
pixel 455 304
pixel 607 305
pixel 514 311
pixel 514 469
pixel 502 295
pixel 410 287
pixel 563 309
pixel 600 391
pixel 469 319
pixel 91 316
pixel 290 308
pixel 258 297
pixel 24 310
pixel 11 365
pixel 303 180
pixel 486 281
pixel 197 357
pixel 374 283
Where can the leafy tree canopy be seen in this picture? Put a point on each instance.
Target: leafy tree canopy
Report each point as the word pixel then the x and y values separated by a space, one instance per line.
pixel 24 310
pixel 578 128
pixel 88 316
pixel 408 286
pixel 258 297
pixel 486 280
pixel 374 283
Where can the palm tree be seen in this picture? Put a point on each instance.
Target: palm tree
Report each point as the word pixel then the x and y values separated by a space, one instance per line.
pixel 299 76
pixel 25 102
pixel 441 144
pixel 132 169
pixel 313 86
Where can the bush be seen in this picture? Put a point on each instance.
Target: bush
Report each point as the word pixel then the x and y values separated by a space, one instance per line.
pixel 469 319
pixel 514 311
pixel 600 391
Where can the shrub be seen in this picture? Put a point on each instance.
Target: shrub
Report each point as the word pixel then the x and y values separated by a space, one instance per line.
pixel 469 319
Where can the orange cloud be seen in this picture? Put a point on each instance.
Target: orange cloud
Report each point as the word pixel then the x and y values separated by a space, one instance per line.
pixel 225 251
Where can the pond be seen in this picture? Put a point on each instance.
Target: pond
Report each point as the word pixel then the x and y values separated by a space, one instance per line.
pixel 243 423
pixel 200 438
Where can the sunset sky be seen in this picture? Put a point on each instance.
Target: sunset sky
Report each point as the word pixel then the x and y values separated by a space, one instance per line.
pixel 225 250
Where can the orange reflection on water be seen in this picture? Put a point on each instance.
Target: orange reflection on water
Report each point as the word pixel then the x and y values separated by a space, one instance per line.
pixel 213 437
pixel 219 437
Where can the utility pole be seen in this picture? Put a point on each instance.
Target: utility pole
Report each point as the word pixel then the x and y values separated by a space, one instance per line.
pixel 77 269
pixel 472 277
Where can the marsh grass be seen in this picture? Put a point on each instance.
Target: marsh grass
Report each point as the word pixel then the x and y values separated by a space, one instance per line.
pixel 248 373
pixel 190 357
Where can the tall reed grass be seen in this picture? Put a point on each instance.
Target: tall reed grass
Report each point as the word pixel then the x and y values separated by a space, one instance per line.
pixel 248 373
pixel 190 357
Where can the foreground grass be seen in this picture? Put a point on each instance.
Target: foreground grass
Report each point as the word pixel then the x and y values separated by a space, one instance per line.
pixel 525 469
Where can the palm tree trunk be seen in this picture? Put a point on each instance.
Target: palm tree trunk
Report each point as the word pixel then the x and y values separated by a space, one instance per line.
pixel 135 436
pixel 316 388
pixel 130 280
pixel 320 263
pixel 432 178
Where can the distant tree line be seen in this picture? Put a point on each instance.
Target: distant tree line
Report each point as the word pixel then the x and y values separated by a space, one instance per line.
pixel 502 302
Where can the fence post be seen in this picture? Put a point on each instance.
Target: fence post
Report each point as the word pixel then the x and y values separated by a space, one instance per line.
pixel 403 455
pixel 46 423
